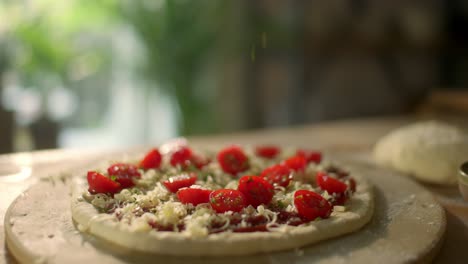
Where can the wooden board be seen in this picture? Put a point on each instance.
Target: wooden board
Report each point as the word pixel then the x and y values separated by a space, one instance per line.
pixel 408 226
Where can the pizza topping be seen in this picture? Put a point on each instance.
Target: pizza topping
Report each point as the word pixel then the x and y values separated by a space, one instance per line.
pixel 225 200
pixel 181 157
pixel 310 155
pixel 152 160
pixel 296 163
pixel 339 198
pixel 256 190
pixel 278 174
pixel 290 218
pixel 330 184
pixel 267 151
pixel 199 161
pixel 233 160
pixel 170 213
pixel 351 184
pixel 311 205
pixel 124 173
pixel 166 199
pixel 174 183
pixel 193 196
pixel 339 173
pixel 98 183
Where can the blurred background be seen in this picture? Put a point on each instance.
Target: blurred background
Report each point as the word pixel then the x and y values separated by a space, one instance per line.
pixel 114 73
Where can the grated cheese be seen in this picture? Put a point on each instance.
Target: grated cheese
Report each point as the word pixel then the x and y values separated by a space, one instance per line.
pixel 150 201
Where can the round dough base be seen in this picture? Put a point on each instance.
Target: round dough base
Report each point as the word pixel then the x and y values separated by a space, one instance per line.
pixel 428 151
pixel 359 210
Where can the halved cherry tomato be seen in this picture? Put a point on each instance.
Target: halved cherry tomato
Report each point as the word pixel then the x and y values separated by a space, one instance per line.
pixel 124 173
pixel 329 184
pixel 278 174
pixel 193 196
pixel 311 205
pixel 342 197
pixel 181 157
pixel 224 200
pixel 339 199
pixel 310 155
pixel 233 160
pixel 296 163
pixel 152 160
pixel 174 183
pixel 256 190
pixel 267 151
pixel 98 183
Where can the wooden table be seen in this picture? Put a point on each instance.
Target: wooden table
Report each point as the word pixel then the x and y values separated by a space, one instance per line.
pixel 18 171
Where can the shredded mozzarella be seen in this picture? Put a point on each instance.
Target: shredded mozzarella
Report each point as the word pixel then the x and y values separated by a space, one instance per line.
pixel 170 213
pixel 151 202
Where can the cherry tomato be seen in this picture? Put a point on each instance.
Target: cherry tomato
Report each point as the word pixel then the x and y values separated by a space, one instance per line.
pixel 278 174
pixel 311 205
pixel 193 196
pixel 152 160
pixel 124 173
pixel 329 184
pixel 224 200
pixel 233 160
pixel 181 157
pixel 98 183
pixel 339 198
pixel 173 184
pixel 256 190
pixel 310 155
pixel 296 163
pixel 267 151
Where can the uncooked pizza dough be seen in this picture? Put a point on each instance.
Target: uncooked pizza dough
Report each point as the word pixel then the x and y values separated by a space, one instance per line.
pixel 429 151
pixel 358 212
pixel 124 226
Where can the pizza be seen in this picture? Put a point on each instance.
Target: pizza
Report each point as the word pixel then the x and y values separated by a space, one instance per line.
pixel 237 200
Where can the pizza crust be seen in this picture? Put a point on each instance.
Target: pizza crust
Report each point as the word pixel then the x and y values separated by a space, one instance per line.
pixel 359 210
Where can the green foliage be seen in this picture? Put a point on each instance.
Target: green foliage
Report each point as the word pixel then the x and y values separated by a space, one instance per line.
pixel 179 37
pixel 45 39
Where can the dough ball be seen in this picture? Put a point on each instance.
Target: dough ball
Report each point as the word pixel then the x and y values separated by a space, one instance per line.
pixel 429 151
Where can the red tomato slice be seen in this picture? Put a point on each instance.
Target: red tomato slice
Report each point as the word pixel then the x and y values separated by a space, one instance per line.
pixel 296 163
pixel 311 205
pixel 267 151
pixel 182 157
pixel 278 174
pixel 98 183
pixel 310 155
pixel 193 196
pixel 152 160
pixel 224 200
pixel 329 184
pixel 124 173
pixel 339 199
pixel 173 184
pixel 233 160
pixel 256 190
